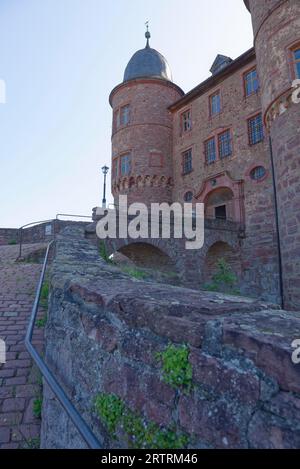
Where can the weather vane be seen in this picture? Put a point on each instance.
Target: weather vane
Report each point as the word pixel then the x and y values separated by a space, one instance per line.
pixel 147 34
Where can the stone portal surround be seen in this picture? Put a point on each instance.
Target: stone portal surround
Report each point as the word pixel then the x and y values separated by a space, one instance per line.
pixel 246 390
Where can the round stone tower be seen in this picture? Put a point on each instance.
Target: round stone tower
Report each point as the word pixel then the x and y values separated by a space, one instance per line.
pixel 276 26
pixel 142 129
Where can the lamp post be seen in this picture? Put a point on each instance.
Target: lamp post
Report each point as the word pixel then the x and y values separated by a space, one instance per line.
pixel 104 171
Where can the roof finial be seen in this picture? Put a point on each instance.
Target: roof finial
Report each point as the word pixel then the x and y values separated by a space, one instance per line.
pixel 147 33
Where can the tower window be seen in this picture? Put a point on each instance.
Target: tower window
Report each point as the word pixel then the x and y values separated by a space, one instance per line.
pixel 188 196
pixel 255 129
pixel 225 144
pixel 251 82
pixel 297 62
pixel 186 121
pixel 125 164
pixel 187 162
pixel 115 168
pixel 210 150
pixel 215 103
pixel 125 115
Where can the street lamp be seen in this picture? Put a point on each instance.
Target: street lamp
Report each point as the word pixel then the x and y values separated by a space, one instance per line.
pixel 104 171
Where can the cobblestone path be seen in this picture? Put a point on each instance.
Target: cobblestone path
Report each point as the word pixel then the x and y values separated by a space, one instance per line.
pixel 20 381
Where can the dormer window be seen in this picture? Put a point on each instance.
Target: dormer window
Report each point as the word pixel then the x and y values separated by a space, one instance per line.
pixel 186 121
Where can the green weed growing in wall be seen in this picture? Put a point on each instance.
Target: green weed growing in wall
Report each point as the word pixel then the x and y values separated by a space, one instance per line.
pixel 224 280
pixel 176 368
pixel 110 409
pixel 103 252
pixel 114 414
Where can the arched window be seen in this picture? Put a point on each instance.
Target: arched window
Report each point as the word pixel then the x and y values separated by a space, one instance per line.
pixel 188 196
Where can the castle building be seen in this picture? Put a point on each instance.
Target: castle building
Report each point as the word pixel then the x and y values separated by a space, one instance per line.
pixel 233 143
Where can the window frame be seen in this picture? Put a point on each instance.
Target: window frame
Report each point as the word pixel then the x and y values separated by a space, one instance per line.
pixel 292 48
pixel 182 130
pixel 183 154
pixel 247 72
pixel 229 131
pixel 252 167
pixel 115 162
pixel 213 139
pixel 249 119
pixel 127 153
pixel 121 109
pixel 210 103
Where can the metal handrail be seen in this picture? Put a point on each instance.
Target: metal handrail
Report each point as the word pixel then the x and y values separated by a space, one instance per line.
pixel 71 215
pixel 82 427
pixel 52 221
pixel 26 226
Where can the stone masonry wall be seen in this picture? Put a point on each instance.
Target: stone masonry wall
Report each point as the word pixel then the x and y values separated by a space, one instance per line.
pixel 33 234
pixel 276 26
pixel 104 329
pixel 147 137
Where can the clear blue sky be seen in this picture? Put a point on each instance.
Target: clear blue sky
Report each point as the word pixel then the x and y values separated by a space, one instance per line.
pixel 60 59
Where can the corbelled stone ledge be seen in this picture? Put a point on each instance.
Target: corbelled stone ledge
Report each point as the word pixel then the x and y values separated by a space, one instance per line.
pixel 104 331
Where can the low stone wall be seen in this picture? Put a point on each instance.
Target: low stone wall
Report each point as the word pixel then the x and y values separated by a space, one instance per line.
pixel 8 235
pixel 233 385
pixel 36 233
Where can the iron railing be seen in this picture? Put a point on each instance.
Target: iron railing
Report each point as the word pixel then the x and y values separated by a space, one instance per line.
pixel 82 427
pixel 32 224
pixel 53 222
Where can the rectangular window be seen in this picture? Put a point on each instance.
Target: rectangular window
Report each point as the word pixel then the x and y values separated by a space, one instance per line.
pixel 115 168
pixel 225 144
pixel 125 164
pixel 125 114
pixel 116 120
pixel 251 82
pixel 255 129
pixel 186 121
pixel 210 150
pixel 297 62
pixel 220 212
pixel 215 104
pixel 187 162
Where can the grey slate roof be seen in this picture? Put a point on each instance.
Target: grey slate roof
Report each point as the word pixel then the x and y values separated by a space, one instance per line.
pixel 147 62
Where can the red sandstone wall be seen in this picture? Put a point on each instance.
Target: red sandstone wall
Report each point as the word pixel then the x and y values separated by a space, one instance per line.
pixel 276 25
pixel 259 262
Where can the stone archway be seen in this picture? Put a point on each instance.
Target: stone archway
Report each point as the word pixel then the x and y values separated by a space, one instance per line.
pixel 148 256
pixel 221 250
pixel 222 190
pixel 219 203
pixel 156 257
